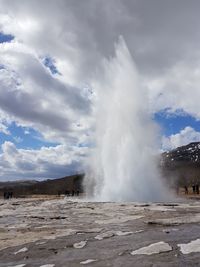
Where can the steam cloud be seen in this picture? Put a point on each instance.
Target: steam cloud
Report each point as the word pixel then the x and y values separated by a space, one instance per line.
pixel 123 163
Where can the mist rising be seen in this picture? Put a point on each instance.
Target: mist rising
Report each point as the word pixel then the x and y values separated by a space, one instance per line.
pixel 123 165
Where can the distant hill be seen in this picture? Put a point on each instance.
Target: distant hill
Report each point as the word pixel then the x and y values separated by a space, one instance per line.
pixel 49 187
pixel 187 154
pixel 182 165
pixel 17 183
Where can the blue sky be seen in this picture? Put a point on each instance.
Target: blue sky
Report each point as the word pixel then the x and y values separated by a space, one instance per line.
pixel 172 123
pixel 49 63
pixel 28 138
pixel 5 37
pixel 23 137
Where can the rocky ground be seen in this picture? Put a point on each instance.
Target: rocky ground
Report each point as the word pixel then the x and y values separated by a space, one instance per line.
pixel 62 232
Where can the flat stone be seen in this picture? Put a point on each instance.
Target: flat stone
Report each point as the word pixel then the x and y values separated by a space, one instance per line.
pixel 21 250
pixel 104 235
pixel 154 248
pixel 87 261
pixel 193 246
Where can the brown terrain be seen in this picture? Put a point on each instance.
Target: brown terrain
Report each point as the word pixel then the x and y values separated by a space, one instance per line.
pixel 59 186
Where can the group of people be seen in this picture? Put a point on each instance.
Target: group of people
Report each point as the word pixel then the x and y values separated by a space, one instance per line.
pixel 70 193
pixel 7 195
pixel 195 189
pixel 73 193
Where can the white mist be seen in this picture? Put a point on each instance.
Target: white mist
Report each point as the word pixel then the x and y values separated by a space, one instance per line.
pixel 123 164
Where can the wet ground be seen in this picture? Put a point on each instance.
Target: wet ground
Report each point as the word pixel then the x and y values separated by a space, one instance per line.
pixel 62 232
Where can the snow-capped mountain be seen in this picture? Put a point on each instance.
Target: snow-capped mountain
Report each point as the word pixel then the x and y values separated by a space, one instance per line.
pixel 189 153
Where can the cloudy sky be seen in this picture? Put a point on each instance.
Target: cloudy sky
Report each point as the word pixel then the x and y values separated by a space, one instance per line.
pixel 50 51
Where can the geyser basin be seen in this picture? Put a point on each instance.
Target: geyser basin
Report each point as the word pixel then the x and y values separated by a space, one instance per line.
pixel 123 164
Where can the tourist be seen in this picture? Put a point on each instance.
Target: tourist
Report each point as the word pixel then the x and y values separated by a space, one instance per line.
pixel 197 189
pixel 193 189
pixel 186 189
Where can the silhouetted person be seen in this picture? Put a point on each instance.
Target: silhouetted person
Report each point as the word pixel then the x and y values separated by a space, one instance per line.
pixel 193 189
pixel 73 193
pixel 197 189
pixel 67 193
pixel 186 189
pixel 6 195
pixel 77 192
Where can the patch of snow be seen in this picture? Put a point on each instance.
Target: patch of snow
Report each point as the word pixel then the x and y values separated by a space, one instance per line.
pixel 154 248
pixel 21 250
pixel 19 265
pixel 87 261
pixel 47 265
pixel 193 246
pixel 81 244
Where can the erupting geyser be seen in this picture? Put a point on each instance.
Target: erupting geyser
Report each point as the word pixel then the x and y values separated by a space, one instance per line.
pixel 123 163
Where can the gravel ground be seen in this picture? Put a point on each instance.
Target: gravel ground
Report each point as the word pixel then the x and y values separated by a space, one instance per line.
pixel 70 232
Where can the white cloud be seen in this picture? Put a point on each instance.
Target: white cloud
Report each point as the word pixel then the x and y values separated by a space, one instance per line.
pixel 17 139
pixel 46 162
pixel 184 137
pixel 4 129
pixel 78 37
pixel 177 89
pixel 32 97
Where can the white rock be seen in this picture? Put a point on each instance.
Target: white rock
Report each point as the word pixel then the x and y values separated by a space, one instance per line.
pixel 40 243
pixel 81 244
pixel 21 250
pixel 154 248
pixel 138 231
pixel 87 261
pixel 193 246
pixel 104 235
pixel 120 233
